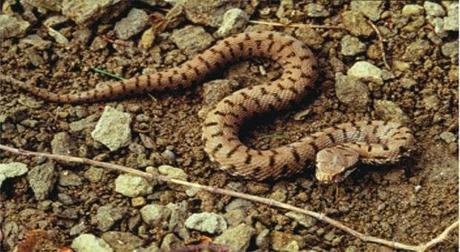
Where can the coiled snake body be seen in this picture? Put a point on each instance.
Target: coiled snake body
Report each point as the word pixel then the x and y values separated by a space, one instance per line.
pixel 335 149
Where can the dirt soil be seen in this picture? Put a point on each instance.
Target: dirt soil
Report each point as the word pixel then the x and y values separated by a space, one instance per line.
pixel 410 202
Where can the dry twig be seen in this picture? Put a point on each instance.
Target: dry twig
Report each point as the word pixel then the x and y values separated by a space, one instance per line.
pixel 269 202
pixel 382 47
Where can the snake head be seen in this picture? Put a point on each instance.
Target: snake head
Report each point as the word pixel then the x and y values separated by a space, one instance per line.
pixel 334 164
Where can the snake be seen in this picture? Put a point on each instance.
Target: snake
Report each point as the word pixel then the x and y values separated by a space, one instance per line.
pixel 335 151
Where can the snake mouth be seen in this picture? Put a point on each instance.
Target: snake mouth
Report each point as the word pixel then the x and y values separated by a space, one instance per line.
pixel 329 178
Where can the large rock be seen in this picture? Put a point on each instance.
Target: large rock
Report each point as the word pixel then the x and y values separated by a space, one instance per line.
pixel 90 243
pixel 352 92
pixel 41 179
pixel 86 12
pixel 107 216
pixel 206 222
pixel 11 27
pixel 113 129
pixel 132 186
pixel 237 238
pixel 356 24
pixel 192 39
pixel 155 214
pixel 11 170
pixel 136 21
pixel 209 12
pixel 234 21
pixel 364 70
pixel 122 241
pixel 370 9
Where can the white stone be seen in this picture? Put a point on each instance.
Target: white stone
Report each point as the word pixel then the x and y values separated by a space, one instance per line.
pixel 132 186
pixel 172 172
pixel 364 70
pixel 433 9
pixel 206 222
pixel 412 10
pixel 90 243
pixel 113 129
pixel 11 170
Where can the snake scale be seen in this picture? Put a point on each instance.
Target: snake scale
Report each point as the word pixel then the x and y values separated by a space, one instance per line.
pixel 336 149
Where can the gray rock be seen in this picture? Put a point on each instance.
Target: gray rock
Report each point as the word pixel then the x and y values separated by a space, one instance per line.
pixel 136 21
pixel 107 216
pixel 63 144
pixel 431 102
pixel 171 242
pixel 451 21
pixel 407 83
pixel 133 186
pixel 356 24
pixel 438 24
pixel 281 241
pixel 448 137
pixel 36 41
pixel 352 92
pixel 52 5
pixel 285 7
pixel 78 228
pixel 122 241
pixel 364 70
pixel 412 10
pixel 41 179
pixel 90 243
pixel 11 27
pixel 58 37
pixel 239 204
pixel 86 12
pixel 84 123
pixel 192 39
pixel 302 219
pixel 433 9
pixel 113 129
pixel 94 174
pixel 236 216
pixel 169 156
pixel 416 50
pixel 234 21
pixel 310 37
pixel 370 9
pixel 389 111
pixel 350 46
pixel 316 10
pixel 209 12
pixel 68 178
pixel 450 49
pixel 263 239
pixel 206 222
pixel 10 170
pixel 155 215
pixel 172 172
pixel 237 238
pixel 55 20
pixel 153 247
pixel 177 219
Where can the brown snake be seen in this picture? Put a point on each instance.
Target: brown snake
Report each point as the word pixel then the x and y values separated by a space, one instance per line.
pixel 336 149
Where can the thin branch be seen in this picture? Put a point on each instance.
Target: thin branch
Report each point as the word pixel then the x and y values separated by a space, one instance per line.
pixel 269 202
pixel 382 47
pixel 296 25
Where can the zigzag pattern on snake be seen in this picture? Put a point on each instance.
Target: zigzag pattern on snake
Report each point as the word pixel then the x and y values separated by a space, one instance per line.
pixel 336 149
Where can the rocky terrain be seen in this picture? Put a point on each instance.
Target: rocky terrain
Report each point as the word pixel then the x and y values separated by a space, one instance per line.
pixel 386 60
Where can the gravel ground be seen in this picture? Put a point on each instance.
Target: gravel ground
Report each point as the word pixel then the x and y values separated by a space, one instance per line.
pixel 61 46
